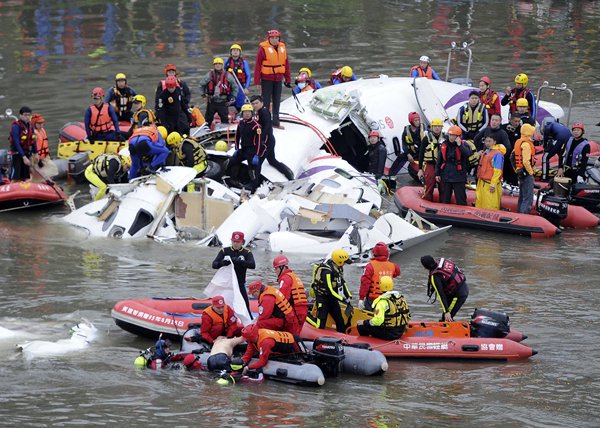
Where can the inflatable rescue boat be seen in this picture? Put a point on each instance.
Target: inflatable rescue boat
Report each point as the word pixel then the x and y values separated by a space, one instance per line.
pixel 29 194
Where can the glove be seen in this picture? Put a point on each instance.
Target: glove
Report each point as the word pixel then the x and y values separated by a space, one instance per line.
pixel 361 305
pixel 288 84
pixel 225 263
pixel 255 160
pixel 580 179
pixel 349 310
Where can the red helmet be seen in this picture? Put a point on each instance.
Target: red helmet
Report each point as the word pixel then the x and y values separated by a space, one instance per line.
pixel 237 237
pixel 170 67
pixel 250 332
pixel 255 286
pixel 98 92
pixel 218 302
pixel 486 80
pixel 455 130
pixel 280 261
pixel 274 33
pixel 380 249
pixel 171 82
pixel 374 134
pixel 412 116
pixel 578 125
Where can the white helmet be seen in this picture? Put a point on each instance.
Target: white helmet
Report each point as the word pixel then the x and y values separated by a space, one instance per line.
pixel 425 58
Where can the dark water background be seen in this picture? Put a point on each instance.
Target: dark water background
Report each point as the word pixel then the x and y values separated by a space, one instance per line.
pixel 53 53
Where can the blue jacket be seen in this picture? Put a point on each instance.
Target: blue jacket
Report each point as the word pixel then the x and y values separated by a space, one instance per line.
pixel 297 89
pixel 556 131
pixel 337 81
pixel 154 159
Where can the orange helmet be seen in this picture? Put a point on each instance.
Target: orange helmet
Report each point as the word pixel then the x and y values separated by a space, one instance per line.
pixel 98 92
pixel 455 130
pixel 170 67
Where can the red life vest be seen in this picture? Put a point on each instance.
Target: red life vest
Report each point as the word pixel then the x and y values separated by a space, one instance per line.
pixel 422 73
pixel 42 143
pixel 337 74
pixel 100 120
pixel 486 169
pixel 27 135
pixel 380 268
pixel 515 94
pixel 164 84
pixel 443 149
pixel 453 276
pixel 236 67
pixel 489 100
pixel 221 81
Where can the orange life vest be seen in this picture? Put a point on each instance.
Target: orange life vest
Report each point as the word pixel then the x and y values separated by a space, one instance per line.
pixel 274 63
pixel 518 153
pixel 284 341
pixel 42 143
pixel 215 317
pixel 221 81
pixel 236 67
pixel 422 73
pixel 298 295
pixel 486 170
pixel 100 120
pixel 164 84
pixel 380 268
pixel 148 131
pixel 27 135
pixel 282 306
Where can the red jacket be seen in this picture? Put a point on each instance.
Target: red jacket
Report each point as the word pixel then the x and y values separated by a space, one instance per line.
pixel 215 325
pixel 258 76
pixel 367 277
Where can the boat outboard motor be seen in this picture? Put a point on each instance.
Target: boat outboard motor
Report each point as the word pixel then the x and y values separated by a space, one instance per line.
pixel 328 354
pixel 586 195
pixel 486 323
pixel 552 208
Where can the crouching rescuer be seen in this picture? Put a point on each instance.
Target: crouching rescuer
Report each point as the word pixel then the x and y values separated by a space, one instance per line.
pixel 391 314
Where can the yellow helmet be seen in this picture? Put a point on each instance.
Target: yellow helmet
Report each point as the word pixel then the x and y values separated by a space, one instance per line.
pixel 346 71
pixel 306 70
pixel 126 161
pixel 339 257
pixel 221 146
pixel 522 79
pixel 437 122
pixel 141 99
pixel 236 46
pixel 218 60
pixel 247 107
pixel 522 102
pixel 174 139
pixel 163 132
pixel 386 283
pixel 120 76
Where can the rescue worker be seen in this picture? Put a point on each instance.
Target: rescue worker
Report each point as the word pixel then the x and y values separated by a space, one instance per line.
pixel 237 66
pixel 141 115
pixel 496 130
pixel 449 284
pixel 220 90
pixel 489 174
pixel 378 267
pixel 249 146
pixel 189 153
pixel 330 288
pixel 219 320
pixel 304 82
pixel 120 97
pixel 263 342
pixel 391 314
pixel 41 138
pixel 377 154
pixel 242 260
pixel 489 98
pixel 292 288
pixel 101 121
pixel 451 167
pixel 574 158
pixel 172 110
pixel 272 67
pixel 23 146
pixel 556 136
pixel 342 75
pixel 412 135
pixel 472 117
pixel 523 160
pixel 513 130
pixel 107 169
pixel 519 91
pixel 428 154
pixel 148 150
pixel 173 141
pixel 263 116
pixel 523 110
pixel 171 70
pixel 423 69
pixel 274 310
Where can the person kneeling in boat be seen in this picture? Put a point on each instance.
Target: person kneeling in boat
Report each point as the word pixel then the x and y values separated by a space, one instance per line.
pixel 292 288
pixel 379 266
pixel 107 169
pixel 451 167
pixel 148 150
pixel 574 158
pixel 264 342
pixel 448 283
pixel 274 310
pixel 330 288
pixel 391 314
pixel 489 175
pixel 219 320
